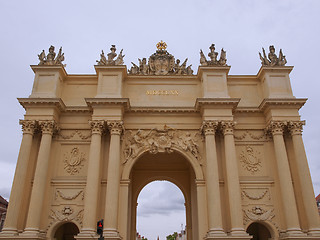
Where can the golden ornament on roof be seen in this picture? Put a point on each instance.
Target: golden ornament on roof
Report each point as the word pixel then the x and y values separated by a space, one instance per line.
pixel 161 45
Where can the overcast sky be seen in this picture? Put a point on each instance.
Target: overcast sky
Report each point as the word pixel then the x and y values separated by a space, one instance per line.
pixel 84 28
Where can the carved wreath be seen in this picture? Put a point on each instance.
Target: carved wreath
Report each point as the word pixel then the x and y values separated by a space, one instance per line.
pixel 73 161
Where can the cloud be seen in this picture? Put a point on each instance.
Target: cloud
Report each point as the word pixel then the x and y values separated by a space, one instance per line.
pixel 160 197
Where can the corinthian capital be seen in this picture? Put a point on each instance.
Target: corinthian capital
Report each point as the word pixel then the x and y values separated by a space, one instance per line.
pixel 28 126
pixel 227 127
pixel 295 127
pixel 97 126
pixel 48 126
pixel 209 127
pixel 276 127
pixel 115 127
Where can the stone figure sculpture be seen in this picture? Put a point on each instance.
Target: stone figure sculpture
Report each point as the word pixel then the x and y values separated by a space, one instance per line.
pixel 109 61
pixel 161 63
pixel 213 57
pixel 51 58
pixel 272 59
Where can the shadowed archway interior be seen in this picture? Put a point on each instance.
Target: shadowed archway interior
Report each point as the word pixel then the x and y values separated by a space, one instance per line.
pixel 66 231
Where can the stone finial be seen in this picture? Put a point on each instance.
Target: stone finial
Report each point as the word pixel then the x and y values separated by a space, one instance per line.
pixel 213 57
pixel 110 61
pixel 161 63
pixel 51 58
pixel 272 59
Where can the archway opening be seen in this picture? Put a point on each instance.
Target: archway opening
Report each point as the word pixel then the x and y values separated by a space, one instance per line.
pixel 258 231
pixel 161 210
pixel 66 231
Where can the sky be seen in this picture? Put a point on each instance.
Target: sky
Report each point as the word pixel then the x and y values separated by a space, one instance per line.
pixel 84 28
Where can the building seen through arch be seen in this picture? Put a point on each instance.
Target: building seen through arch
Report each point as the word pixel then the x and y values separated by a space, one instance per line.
pixel 232 144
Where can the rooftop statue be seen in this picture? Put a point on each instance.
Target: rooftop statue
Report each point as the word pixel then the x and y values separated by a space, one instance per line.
pixel 213 57
pixel 51 58
pixel 272 59
pixel 110 60
pixel 161 63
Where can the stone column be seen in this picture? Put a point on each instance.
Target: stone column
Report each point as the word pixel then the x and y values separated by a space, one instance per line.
pixel 124 203
pixel 309 202
pixel 201 208
pixel 16 197
pixel 212 181
pixel 113 182
pixel 93 181
pixel 40 179
pixel 233 184
pixel 288 198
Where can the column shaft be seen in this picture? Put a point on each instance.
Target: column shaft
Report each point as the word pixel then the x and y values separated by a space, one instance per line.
pixel 233 183
pixel 307 192
pixel 288 198
pixel 113 182
pixel 93 180
pixel 212 181
pixel 16 197
pixel 201 208
pixel 40 179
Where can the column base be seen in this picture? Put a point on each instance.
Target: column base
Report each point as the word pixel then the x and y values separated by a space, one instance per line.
pixel 239 232
pixel 217 233
pixel 293 233
pixel 87 234
pixel 32 234
pixel 111 234
pixel 314 232
pixel 9 232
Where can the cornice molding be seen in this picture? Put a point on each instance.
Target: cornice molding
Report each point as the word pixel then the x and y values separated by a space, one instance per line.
pixel 42 102
pixel 49 68
pixel 98 102
pixel 295 103
pixel 112 68
pixel 274 69
pixel 221 102
pixel 202 69
pixel 162 110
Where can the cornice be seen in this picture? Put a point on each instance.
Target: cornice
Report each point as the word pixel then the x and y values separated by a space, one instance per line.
pixel 274 69
pixel 217 102
pixel 42 102
pixel 49 68
pixel 282 103
pixel 247 110
pixel 202 69
pixel 78 110
pixel 162 110
pixel 115 68
pixel 98 102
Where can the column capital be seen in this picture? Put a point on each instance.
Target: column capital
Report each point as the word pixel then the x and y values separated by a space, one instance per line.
pixel 227 127
pixel 276 127
pixel 296 127
pixel 28 126
pixel 97 126
pixel 48 126
pixel 209 127
pixel 115 127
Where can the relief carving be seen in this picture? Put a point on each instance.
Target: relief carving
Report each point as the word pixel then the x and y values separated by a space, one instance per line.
pixel 72 197
pixel 257 213
pixel 160 140
pixel 66 214
pixel 258 196
pixel 251 135
pixel 251 159
pixel 73 161
pixel 74 133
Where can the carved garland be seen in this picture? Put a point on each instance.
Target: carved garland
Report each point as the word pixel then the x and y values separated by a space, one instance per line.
pixel 159 140
pixel 257 213
pixel 76 132
pixel 254 197
pixel 64 197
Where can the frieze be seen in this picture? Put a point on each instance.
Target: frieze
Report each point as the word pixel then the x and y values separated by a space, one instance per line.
pixel 73 161
pixel 250 159
pixel 247 133
pixel 160 140
pixel 78 133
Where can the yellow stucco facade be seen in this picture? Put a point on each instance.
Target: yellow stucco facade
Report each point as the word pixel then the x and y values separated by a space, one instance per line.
pixel 232 144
